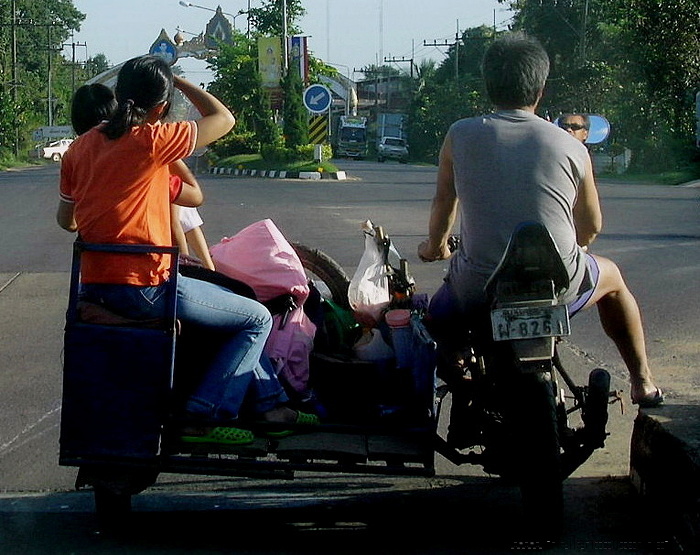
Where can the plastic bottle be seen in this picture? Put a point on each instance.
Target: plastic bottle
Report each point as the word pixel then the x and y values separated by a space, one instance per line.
pixel 372 347
pixel 399 321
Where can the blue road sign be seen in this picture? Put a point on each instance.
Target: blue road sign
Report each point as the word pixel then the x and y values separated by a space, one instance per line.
pixel 317 99
pixel 164 49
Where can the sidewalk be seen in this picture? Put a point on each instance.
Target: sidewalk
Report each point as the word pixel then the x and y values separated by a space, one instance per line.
pixel 665 467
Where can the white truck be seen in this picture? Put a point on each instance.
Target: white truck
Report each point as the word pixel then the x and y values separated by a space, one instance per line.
pixel 392 148
pixel 54 150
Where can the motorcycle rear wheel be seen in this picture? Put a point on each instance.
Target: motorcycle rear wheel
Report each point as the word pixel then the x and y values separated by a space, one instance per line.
pixel 538 447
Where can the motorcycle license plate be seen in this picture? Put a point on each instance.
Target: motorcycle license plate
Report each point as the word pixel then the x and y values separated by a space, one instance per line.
pixel 529 322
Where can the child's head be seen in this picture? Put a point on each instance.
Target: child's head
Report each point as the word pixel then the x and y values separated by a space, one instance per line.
pixel 143 84
pixel 91 104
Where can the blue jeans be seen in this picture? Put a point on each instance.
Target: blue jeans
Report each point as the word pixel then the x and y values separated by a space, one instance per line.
pixel 239 367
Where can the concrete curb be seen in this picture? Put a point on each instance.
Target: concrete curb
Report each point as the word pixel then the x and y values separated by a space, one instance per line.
pixel 665 468
pixel 278 174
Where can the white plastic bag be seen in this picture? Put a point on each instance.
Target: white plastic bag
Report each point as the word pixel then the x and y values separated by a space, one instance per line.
pixel 368 293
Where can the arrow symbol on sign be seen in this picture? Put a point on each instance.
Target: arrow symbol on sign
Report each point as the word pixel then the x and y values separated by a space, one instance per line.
pixel 317 98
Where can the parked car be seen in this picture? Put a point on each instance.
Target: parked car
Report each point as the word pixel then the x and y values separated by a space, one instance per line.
pixel 392 148
pixel 55 149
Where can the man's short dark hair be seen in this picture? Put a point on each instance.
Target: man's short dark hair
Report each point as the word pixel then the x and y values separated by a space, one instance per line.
pixel 515 69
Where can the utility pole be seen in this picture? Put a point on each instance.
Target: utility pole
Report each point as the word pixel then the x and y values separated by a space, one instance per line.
pixel 73 45
pixel 15 84
pixel 247 17
pixel 394 60
pixel 584 24
pixel 14 23
pixel 447 44
pixel 49 99
pixel 285 47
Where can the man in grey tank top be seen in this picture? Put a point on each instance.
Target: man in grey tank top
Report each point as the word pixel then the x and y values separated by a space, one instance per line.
pixel 511 166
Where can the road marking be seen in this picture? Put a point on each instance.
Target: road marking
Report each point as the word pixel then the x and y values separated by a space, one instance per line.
pixel 13 444
pixel 13 278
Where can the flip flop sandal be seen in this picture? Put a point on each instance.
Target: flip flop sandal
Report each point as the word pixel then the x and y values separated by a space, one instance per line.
pixel 303 418
pixel 307 419
pixel 651 402
pixel 223 436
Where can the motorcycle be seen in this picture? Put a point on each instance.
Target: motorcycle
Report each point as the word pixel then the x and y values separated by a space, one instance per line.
pixel 508 410
pixel 123 383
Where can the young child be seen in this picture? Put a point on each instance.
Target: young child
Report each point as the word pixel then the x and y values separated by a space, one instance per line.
pixel 187 231
pixel 115 189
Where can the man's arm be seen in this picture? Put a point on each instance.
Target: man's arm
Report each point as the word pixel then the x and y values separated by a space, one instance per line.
pixel 443 211
pixel 588 217
pixel 191 194
pixel 65 216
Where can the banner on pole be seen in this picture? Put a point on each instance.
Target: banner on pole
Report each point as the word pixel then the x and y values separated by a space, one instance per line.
pixel 270 61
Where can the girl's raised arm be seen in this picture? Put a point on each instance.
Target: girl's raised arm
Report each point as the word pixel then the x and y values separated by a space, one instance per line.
pixel 217 119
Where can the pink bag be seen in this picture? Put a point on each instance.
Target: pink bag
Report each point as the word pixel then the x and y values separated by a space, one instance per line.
pixel 289 347
pixel 261 257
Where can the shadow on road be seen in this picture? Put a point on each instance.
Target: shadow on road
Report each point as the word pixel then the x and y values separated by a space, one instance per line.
pixel 443 516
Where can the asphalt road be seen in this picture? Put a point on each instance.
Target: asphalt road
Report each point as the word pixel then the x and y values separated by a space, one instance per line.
pixel 653 232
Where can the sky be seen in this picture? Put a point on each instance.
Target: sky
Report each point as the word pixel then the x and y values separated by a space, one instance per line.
pixel 346 34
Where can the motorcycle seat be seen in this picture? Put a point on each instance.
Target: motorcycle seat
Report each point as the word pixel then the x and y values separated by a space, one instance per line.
pixel 531 255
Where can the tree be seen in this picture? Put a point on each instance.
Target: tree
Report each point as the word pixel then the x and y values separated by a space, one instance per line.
pixel 40 29
pixel 444 94
pixel 238 85
pixel 662 50
pixel 269 21
pixel 296 129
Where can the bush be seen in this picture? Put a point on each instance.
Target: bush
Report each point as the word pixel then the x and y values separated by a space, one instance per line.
pixel 303 153
pixel 7 159
pixel 236 143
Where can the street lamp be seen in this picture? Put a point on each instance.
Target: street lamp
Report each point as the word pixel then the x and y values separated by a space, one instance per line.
pixel 232 16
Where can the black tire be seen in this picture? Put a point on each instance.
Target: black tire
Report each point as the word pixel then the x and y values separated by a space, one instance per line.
pixel 321 267
pixel 113 509
pixel 595 412
pixel 537 439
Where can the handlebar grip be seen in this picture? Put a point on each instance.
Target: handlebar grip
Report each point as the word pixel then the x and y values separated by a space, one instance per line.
pixel 453 242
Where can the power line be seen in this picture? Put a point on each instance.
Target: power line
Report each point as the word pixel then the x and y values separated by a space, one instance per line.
pixel 394 60
pixel 447 44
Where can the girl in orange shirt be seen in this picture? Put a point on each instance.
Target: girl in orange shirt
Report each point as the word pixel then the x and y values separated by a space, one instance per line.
pixel 115 189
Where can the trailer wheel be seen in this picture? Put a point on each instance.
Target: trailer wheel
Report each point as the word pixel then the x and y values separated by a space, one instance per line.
pixel 113 510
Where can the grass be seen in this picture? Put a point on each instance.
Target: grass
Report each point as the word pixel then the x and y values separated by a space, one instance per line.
pixel 256 162
pixel 677 177
pixel 10 162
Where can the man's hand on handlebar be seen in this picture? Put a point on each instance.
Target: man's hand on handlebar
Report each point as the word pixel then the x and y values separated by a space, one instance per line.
pixel 429 253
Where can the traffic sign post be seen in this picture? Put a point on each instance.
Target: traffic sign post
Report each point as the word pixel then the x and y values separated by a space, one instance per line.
pixel 317 99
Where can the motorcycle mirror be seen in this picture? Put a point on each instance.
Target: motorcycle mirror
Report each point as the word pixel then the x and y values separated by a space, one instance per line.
pixel 598 131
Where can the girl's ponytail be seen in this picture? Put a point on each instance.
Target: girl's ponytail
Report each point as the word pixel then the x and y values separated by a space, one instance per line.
pixel 142 84
pixel 125 117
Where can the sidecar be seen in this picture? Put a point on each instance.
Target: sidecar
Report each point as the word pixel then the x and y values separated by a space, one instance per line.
pixel 123 385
